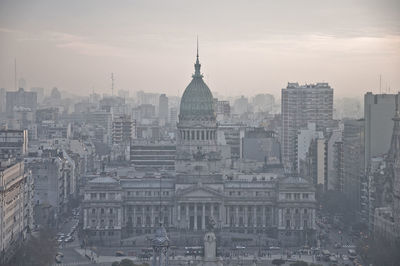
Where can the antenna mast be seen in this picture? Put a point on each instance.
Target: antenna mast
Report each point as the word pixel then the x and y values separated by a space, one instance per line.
pixel 380 84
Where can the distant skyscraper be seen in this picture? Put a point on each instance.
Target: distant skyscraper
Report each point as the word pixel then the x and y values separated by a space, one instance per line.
pixel 379 110
pixel 39 92
pixel 163 107
pixel 301 105
pixel 20 98
pixel 2 100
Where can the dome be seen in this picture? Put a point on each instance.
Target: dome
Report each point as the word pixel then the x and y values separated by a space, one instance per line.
pixel 197 100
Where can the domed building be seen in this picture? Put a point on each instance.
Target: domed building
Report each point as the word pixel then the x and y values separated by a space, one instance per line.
pixel 258 205
pixel 197 127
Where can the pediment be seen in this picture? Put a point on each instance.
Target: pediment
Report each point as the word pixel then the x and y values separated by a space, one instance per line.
pixel 199 192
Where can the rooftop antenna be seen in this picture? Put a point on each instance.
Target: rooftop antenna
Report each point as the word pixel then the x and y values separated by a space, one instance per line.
pixel 112 84
pixel 15 73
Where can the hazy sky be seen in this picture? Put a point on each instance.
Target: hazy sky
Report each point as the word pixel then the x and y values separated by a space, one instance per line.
pixel 246 47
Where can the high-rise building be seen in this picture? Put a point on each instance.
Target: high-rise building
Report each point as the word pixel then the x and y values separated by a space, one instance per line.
pixel 39 92
pixel 124 129
pixel 16 198
pixel 13 143
pixel 353 168
pixel 378 112
pixel 301 105
pixel 163 108
pixel 20 98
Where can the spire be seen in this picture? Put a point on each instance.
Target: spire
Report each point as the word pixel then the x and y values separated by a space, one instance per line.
pixel 197 66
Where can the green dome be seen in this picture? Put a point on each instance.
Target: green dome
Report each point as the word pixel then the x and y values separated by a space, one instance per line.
pixel 197 100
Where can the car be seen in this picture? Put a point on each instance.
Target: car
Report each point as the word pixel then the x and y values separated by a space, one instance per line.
pixel 337 245
pixel 119 254
pixel 274 248
pixel 60 254
pixel 345 257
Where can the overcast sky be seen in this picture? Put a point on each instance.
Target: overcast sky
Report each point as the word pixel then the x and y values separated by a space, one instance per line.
pixel 246 47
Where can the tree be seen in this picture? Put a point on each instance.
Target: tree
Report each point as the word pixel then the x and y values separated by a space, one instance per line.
pixel 278 262
pixel 115 263
pixel 37 251
pixel 126 262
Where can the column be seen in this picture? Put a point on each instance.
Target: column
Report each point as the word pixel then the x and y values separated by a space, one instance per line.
pixel 187 216
pixel 134 216
pixel 255 216
pixel 280 218
pixel 179 213
pixel 143 217
pixel 203 218
pixel 195 216
pixel 220 219
pixel 245 216
pixel 263 216
pixel 237 216
pixel 212 210
pixel 152 216
pixel 228 216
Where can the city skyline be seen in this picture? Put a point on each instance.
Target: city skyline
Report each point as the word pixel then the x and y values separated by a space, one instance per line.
pixel 152 49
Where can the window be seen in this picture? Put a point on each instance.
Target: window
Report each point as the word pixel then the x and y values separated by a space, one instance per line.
pixel 305 224
pixel 287 223
pixel 102 211
pixel 305 211
pixel 111 210
pixel 305 195
pixel 93 211
pixel 192 135
pixel 297 211
pixel 111 196
pixel 288 196
pixel 287 211
pixel 207 135
pixel 111 222
pixel 297 196
pixel 93 195
pixel 102 195
pixel 197 135
pixel 202 135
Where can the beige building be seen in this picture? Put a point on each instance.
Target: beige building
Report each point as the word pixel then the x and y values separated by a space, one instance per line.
pixel 16 188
